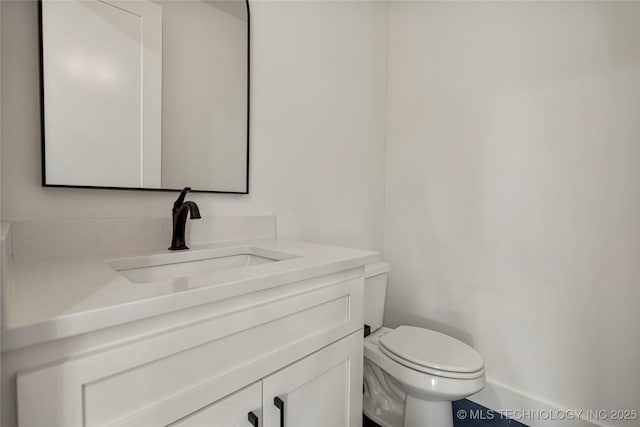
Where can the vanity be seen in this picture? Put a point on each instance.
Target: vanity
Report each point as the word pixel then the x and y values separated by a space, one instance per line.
pixel 257 332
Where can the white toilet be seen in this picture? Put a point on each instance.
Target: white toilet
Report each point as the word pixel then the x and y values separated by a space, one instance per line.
pixel 411 375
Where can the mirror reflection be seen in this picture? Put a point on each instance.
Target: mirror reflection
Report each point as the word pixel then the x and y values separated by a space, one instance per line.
pixel 145 94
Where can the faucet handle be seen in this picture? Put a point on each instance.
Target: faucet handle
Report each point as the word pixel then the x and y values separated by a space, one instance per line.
pixel 180 199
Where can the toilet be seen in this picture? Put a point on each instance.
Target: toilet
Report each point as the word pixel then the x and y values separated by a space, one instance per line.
pixel 411 375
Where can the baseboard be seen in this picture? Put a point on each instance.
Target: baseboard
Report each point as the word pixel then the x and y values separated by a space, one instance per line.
pixel 531 410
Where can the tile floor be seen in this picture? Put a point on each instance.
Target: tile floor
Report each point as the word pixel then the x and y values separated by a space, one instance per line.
pixel 469 414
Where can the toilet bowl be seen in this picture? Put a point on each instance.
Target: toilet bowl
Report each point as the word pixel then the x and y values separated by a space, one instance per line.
pixel 411 375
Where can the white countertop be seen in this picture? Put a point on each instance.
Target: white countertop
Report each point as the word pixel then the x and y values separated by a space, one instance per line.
pixel 56 298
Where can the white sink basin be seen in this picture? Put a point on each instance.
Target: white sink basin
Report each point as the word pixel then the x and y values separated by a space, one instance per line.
pixel 159 267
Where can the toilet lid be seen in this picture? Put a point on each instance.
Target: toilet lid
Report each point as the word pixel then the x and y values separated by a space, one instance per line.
pixel 431 349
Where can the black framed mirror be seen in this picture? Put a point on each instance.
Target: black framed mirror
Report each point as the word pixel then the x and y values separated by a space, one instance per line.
pixel 145 94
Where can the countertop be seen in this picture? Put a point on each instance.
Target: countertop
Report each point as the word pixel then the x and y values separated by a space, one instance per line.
pixel 61 297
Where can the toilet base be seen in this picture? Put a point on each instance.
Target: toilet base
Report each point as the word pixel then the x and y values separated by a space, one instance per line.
pixel 423 413
pixel 387 384
pixel 418 413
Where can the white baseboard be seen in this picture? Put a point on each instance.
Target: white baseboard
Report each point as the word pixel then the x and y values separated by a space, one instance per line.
pixel 531 410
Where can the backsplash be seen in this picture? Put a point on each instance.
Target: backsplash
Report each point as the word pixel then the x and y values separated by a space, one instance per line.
pixel 42 239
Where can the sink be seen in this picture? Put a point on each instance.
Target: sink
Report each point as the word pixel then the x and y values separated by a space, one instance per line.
pixel 153 268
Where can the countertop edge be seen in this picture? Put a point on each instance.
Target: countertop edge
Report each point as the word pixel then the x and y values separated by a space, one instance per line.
pixel 70 325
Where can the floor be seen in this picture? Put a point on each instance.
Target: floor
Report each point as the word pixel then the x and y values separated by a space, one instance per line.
pixel 469 414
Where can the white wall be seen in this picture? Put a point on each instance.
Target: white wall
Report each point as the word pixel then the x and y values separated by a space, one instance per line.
pixel 318 127
pixel 513 189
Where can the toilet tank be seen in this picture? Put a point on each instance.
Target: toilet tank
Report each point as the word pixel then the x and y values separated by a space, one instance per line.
pixel 375 293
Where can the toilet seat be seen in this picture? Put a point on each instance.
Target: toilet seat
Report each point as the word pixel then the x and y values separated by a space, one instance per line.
pixel 428 384
pixel 431 352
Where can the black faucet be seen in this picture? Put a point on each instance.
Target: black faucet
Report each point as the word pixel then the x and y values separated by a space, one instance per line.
pixel 180 209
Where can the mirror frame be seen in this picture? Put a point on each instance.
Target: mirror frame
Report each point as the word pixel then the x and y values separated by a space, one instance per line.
pixel 42 121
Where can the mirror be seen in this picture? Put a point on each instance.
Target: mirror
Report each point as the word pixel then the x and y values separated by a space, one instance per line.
pixel 145 94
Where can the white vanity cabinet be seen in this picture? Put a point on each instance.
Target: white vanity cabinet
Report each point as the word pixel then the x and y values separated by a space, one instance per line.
pixel 212 364
pixel 231 411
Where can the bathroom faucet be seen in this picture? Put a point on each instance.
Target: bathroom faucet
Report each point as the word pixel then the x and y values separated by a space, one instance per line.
pixel 180 209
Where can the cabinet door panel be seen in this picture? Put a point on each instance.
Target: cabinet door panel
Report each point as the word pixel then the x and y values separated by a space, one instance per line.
pixel 230 411
pixel 323 389
pixel 324 399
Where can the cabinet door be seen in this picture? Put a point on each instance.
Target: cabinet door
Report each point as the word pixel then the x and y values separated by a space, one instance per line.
pixel 323 389
pixel 231 411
